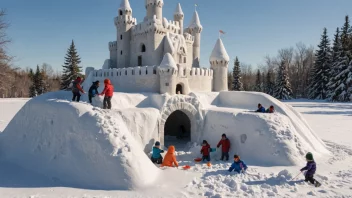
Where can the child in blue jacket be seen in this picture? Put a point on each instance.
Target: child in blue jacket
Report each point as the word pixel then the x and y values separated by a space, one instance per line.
pixel 310 169
pixel 238 165
pixel 156 156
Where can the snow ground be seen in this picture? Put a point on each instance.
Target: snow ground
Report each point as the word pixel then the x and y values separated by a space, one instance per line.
pixel 331 121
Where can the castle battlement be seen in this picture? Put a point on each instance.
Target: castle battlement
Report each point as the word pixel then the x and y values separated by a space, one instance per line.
pixel 129 71
pixel 124 19
pixel 201 72
pixel 113 46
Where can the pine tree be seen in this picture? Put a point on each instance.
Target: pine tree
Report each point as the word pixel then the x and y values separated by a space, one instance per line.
pixel 334 71
pixel 346 33
pixel 39 82
pixel 269 84
pixel 237 78
pixel 32 88
pixel 321 71
pixel 71 67
pixel 340 85
pixel 258 82
pixel 283 88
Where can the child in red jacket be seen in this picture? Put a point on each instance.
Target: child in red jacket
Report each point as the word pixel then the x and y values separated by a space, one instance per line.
pixel 108 92
pixel 225 143
pixel 205 151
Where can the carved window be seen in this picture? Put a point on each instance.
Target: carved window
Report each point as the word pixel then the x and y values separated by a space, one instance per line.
pixel 143 48
pixel 121 13
pixel 132 72
pixel 121 36
pixel 121 52
pixel 154 71
pixel 140 61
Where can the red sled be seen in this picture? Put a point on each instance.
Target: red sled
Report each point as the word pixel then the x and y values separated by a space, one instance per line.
pixel 186 167
pixel 198 159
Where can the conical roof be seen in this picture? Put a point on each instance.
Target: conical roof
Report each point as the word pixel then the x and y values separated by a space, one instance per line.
pixel 195 21
pixel 219 52
pixel 168 46
pixel 168 62
pixel 178 9
pixel 125 5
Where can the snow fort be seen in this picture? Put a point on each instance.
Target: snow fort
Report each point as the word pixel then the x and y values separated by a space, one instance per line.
pixel 82 145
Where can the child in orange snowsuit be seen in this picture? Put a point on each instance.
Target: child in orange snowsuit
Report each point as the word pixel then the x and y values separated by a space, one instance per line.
pixel 170 158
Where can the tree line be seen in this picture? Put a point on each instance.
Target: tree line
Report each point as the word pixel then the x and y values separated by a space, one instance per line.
pixel 301 72
pixel 19 82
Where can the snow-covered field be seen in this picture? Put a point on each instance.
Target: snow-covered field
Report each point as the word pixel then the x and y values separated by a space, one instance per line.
pixel 331 121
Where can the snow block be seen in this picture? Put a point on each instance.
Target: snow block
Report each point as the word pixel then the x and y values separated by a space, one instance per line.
pixel 77 144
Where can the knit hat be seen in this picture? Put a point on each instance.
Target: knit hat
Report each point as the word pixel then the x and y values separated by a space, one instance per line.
pixel 157 143
pixel 205 142
pixel 309 156
pixel 223 135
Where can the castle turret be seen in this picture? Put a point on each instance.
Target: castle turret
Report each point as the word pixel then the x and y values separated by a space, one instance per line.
pixel 124 22
pixel 219 61
pixel 154 7
pixel 168 73
pixel 179 16
pixel 195 29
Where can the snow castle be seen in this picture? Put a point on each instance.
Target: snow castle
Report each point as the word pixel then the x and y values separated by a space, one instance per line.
pixel 79 145
pixel 160 55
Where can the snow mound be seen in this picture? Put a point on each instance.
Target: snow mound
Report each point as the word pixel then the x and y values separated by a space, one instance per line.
pixel 279 139
pixel 80 145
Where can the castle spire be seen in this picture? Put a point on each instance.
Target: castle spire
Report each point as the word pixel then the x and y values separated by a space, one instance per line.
pixel 219 61
pixel 125 5
pixel 219 52
pixel 179 16
pixel 195 23
pixel 178 10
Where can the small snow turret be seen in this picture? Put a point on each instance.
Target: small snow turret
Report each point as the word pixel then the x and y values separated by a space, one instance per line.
pixel 195 29
pixel 219 61
pixel 168 72
pixel 154 7
pixel 168 63
pixel 179 16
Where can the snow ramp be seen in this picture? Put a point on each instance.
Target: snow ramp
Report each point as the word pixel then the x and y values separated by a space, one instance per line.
pixel 80 145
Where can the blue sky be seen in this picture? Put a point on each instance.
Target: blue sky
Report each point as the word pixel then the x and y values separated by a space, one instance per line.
pixel 42 30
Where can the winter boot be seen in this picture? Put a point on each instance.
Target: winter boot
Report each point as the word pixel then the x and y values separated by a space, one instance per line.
pixel 317 184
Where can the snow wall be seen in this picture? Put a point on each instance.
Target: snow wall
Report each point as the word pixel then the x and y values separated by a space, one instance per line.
pixel 282 138
pixel 82 146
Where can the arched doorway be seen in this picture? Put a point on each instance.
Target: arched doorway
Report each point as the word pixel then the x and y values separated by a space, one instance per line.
pixel 179 89
pixel 177 128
